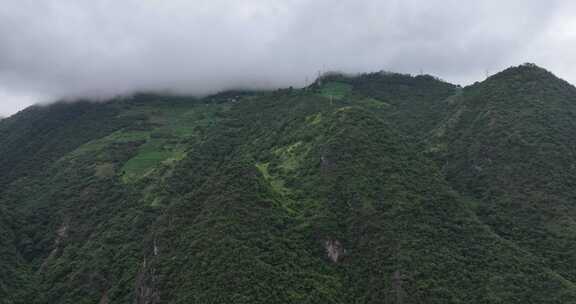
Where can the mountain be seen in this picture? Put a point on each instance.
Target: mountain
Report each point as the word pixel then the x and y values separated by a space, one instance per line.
pixel 509 145
pixel 376 188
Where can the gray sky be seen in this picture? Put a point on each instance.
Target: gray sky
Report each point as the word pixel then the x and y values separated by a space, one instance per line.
pixel 67 48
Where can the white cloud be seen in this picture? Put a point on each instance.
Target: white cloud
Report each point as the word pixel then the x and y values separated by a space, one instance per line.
pixel 67 48
pixel 11 102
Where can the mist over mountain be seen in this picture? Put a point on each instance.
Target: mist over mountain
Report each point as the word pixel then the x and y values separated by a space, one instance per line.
pixel 99 49
pixel 287 151
pixel 374 188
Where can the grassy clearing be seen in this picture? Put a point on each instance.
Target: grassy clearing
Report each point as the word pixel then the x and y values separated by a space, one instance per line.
pixel 146 161
pixel 174 126
pixel 335 90
pixel 122 136
pixel 291 156
pixel 276 183
pixel 161 133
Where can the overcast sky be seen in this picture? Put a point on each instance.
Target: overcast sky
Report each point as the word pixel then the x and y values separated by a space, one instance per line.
pixel 67 48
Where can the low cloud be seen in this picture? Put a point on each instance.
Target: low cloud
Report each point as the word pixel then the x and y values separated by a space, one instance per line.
pixel 68 48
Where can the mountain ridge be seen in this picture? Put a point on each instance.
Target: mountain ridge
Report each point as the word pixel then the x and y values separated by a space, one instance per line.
pixel 379 188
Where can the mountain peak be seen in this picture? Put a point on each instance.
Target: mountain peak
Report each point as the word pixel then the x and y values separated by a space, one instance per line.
pixel 525 72
pixel 315 195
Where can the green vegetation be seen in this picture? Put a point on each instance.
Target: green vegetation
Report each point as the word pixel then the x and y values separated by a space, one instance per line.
pixel 509 143
pixel 376 188
pixel 335 90
pixel 276 184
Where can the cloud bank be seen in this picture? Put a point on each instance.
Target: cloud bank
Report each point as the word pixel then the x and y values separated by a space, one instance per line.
pixel 68 48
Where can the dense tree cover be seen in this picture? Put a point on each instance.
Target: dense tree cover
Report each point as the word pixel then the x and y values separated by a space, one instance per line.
pixel 414 104
pixel 509 143
pixel 33 138
pixel 377 188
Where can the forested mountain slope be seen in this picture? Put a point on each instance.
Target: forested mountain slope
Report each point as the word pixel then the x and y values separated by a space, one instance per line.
pixel 378 188
pixel 509 143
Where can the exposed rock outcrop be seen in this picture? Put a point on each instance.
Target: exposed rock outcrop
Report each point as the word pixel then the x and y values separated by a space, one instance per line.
pixel 334 250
